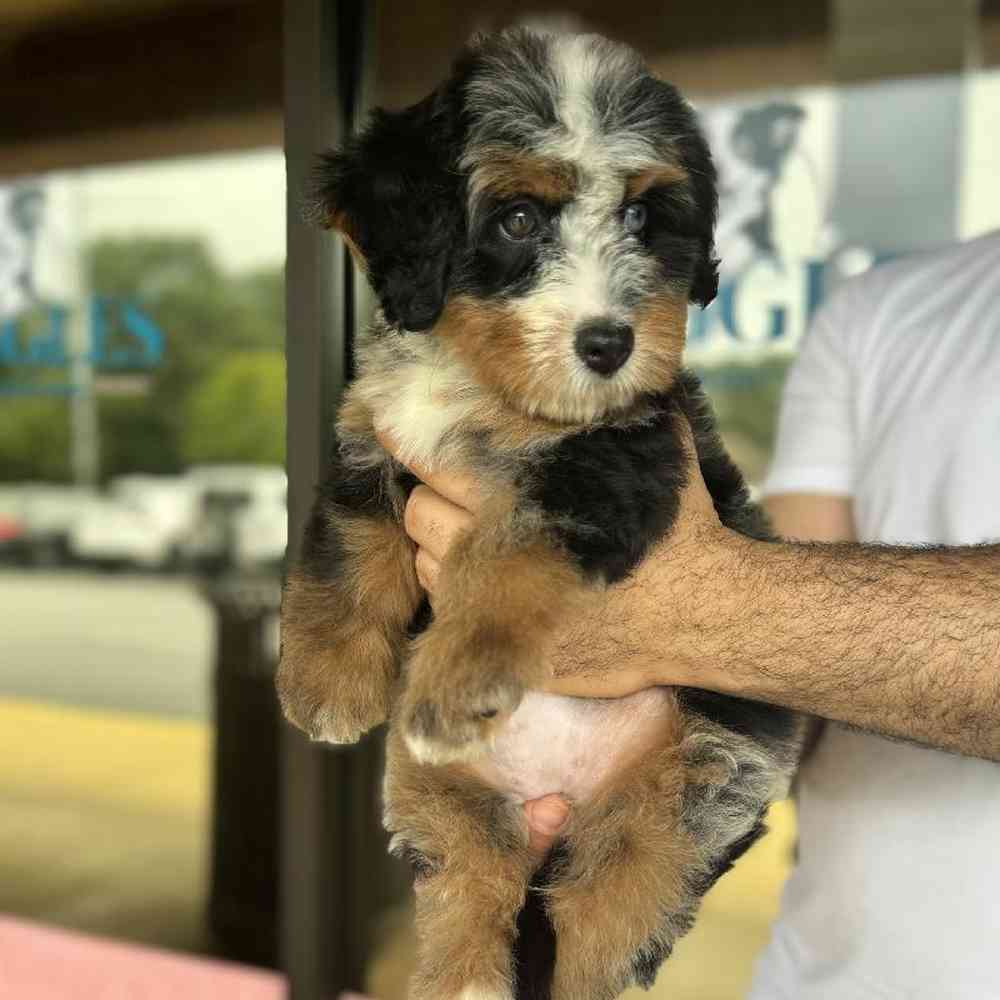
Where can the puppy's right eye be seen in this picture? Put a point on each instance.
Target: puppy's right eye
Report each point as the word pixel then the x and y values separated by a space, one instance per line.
pixel 520 222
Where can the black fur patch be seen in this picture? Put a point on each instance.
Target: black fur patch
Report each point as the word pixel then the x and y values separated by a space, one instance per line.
pixel 772 727
pixel 535 940
pixel 397 193
pixel 725 861
pixel 359 491
pixel 610 493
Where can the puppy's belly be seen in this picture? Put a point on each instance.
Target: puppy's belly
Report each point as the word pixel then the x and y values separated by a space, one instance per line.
pixel 572 745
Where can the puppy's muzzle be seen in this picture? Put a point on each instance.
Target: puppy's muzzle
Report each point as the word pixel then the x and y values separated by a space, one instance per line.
pixel 604 347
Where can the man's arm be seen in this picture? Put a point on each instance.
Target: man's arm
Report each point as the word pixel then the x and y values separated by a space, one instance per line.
pixel 811 517
pixel 899 641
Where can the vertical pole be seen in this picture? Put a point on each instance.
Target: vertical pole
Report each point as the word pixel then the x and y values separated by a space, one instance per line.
pixel 316 351
pixel 84 429
pixel 326 837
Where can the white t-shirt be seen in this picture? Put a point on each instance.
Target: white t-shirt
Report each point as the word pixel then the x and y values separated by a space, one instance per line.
pixel 895 402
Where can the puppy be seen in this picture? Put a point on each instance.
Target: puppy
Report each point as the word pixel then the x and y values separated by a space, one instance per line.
pixel 534 230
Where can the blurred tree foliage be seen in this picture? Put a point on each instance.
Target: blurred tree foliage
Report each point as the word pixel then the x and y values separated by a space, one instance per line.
pixel 218 393
pixel 248 392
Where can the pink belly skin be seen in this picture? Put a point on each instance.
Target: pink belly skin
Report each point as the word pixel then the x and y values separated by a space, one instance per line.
pixel 572 745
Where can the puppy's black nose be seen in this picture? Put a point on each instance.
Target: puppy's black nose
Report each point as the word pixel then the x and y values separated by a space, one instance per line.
pixel 604 347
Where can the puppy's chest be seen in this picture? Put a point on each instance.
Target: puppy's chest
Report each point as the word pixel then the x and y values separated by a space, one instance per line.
pixel 440 416
pixel 426 407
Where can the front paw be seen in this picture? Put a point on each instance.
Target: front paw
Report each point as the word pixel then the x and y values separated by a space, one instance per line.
pixel 337 693
pixel 461 689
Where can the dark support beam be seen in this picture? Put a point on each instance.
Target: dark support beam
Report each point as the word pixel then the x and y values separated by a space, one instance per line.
pixel 334 871
pixel 125 69
pixel 312 843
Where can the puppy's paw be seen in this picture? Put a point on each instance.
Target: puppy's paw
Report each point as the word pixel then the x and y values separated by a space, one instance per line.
pixel 460 691
pixel 441 730
pixel 336 694
pixel 422 865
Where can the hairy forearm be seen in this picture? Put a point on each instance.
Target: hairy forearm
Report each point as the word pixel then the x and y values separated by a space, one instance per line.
pixel 903 642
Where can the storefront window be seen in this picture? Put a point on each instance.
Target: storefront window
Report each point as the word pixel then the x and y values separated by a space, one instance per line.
pixel 142 440
pixel 817 185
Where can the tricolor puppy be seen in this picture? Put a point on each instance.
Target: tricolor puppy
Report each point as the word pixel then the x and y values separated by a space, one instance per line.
pixel 534 230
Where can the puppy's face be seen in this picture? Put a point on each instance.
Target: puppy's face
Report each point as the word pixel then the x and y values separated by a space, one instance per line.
pixel 547 213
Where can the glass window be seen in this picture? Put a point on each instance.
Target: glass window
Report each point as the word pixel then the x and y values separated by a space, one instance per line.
pixel 142 439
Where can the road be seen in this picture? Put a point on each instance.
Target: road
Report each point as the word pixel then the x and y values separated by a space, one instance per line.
pixel 129 642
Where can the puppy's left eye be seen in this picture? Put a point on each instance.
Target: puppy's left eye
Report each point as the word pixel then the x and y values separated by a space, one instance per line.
pixel 520 222
pixel 634 218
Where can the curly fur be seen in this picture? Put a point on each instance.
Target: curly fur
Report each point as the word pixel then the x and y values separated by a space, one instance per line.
pixel 482 357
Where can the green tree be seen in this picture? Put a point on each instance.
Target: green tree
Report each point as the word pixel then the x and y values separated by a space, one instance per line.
pixel 207 319
pixel 34 438
pixel 237 413
pixel 211 322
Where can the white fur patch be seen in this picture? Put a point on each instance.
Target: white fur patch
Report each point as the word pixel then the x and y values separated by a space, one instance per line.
pixel 429 403
pixel 428 752
pixel 416 390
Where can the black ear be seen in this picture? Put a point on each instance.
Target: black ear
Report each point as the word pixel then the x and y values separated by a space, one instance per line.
pixel 705 285
pixel 697 159
pixel 394 194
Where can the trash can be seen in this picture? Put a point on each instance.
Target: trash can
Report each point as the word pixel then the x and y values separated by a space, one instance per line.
pixel 243 902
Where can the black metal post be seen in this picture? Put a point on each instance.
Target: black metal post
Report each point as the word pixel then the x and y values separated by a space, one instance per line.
pixel 329 821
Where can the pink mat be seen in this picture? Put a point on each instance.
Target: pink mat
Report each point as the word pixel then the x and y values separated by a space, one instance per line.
pixel 39 963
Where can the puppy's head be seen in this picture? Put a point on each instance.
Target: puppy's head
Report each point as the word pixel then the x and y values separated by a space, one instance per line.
pixel 548 213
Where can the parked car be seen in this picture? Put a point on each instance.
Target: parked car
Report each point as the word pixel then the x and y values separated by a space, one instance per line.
pixel 241 519
pixel 141 522
pixel 260 535
pixel 48 514
pixel 12 527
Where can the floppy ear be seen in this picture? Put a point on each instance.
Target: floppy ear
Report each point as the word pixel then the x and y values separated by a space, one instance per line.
pixel 705 285
pixel 394 194
pixel 697 159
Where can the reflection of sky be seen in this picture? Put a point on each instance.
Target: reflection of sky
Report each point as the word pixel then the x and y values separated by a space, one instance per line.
pixel 235 202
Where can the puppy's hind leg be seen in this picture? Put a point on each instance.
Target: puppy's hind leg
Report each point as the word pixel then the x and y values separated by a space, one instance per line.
pixel 468 849
pixel 624 893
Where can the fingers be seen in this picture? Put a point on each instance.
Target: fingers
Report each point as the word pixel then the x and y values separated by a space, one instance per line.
pixel 434 522
pixel 461 489
pixel 428 570
pixel 546 817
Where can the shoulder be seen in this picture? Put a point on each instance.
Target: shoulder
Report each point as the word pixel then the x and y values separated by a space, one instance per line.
pixel 867 306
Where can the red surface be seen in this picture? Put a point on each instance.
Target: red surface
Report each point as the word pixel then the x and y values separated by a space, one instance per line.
pixel 9 529
pixel 39 963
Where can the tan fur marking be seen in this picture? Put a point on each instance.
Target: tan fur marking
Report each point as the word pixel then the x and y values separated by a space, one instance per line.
pixel 506 174
pixel 349 235
pixel 628 854
pixel 507 589
pixel 342 639
pixel 355 416
pixel 662 175
pixel 477 844
pixel 528 374
pixel 489 339
pixel 660 328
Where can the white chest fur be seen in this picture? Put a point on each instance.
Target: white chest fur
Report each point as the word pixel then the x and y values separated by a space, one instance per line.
pixel 416 392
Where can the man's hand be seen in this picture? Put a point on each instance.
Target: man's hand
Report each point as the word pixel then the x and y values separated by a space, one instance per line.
pixel 608 653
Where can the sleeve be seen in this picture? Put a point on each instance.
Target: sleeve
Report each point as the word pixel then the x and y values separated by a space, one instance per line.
pixel 814 446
